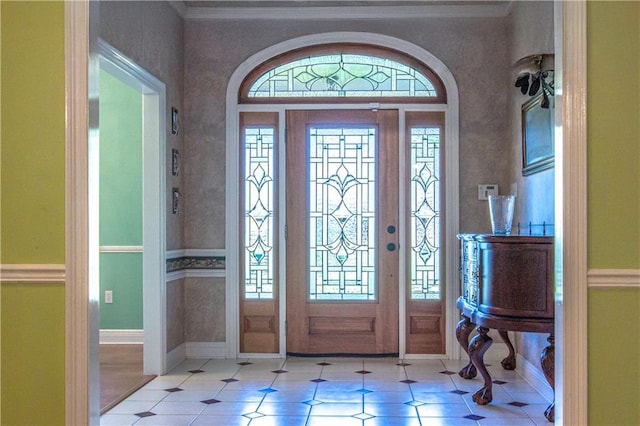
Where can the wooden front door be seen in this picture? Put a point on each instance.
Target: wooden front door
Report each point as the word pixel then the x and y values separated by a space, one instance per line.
pixel 341 232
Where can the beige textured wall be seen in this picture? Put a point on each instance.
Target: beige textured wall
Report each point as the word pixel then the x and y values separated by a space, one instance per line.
pixel 531 32
pixel 175 314
pixel 475 50
pixel 151 34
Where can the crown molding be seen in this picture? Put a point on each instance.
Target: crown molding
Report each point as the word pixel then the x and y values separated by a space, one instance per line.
pixel 493 10
pixel 179 7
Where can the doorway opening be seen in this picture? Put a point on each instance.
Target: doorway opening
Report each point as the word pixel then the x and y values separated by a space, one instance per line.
pixel 142 249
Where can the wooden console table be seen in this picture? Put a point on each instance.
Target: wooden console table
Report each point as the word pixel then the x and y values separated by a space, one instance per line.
pixel 507 285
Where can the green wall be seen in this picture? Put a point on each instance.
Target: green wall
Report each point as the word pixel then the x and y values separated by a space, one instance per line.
pixel 613 73
pixel 120 202
pixel 32 223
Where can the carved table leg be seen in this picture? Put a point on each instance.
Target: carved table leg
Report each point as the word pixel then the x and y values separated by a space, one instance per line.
pixel 478 346
pixel 463 330
pixel 509 363
pixel 547 361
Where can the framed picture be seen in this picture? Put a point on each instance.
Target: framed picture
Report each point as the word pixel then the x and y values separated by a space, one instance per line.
pixel 537 136
pixel 175 201
pixel 174 121
pixel 175 162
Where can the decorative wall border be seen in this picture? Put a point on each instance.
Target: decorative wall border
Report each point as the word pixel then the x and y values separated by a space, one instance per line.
pixel 195 263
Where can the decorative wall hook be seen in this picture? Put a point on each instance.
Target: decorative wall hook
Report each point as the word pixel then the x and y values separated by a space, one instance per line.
pixel 537 74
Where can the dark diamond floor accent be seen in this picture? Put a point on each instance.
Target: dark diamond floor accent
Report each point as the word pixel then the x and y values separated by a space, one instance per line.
pixel 174 390
pixel 414 403
pixel 229 380
pixel 449 373
pixel 459 392
pixel 364 391
pixel 268 390
pixel 210 401
pixel 474 417
pixel 196 371
pixel 363 372
pixel 279 371
pixel 312 402
pixel 518 404
pixel 499 382
pixel 245 363
pixel 402 364
pixel 317 380
pixel 145 414
pixel 408 381
pixel 323 363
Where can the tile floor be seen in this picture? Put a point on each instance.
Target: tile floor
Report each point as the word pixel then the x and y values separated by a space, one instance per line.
pixel 327 391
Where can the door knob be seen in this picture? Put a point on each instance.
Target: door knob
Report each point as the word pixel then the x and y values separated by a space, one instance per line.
pixel 391 247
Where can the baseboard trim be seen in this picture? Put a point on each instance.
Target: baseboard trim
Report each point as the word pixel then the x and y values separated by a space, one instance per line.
pixel 121 337
pixel 32 273
pixel 200 350
pixel 613 278
pixel 534 376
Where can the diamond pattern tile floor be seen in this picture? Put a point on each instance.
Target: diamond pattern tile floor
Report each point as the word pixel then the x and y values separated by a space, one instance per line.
pixel 334 391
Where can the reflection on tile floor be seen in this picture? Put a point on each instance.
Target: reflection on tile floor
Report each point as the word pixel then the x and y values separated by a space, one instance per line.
pixel 327 391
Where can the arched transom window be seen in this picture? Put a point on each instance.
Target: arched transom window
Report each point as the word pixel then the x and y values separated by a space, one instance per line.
pixel 343 71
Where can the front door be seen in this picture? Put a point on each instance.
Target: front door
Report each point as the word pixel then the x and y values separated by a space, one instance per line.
pixel 341 232
pixel 350 286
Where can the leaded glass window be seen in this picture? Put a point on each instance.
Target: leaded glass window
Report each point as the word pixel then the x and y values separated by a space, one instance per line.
pixel 342 75
pixel 425 213
pixel 258 213
pixel 342 223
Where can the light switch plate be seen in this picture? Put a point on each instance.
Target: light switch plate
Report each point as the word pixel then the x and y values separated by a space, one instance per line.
pixel 487 189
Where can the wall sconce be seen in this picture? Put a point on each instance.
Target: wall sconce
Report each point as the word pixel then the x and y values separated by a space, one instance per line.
pixel 536 72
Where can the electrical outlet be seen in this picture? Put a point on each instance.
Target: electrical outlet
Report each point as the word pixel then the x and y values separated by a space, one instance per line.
pixel 487 189
pixel 108 296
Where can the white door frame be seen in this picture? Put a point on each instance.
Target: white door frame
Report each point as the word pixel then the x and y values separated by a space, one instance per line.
pixel 82 65
pixel 451 166
pixel 571 309
pixel 153 211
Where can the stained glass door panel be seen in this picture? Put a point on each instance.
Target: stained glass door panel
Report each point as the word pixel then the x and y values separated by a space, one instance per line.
pixel 342 261
pixel 425 302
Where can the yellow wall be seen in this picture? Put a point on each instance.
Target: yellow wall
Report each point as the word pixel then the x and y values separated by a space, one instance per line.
pixel 614 208
pixel 32 224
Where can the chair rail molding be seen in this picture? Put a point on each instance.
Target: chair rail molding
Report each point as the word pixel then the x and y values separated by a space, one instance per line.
pixel 32 273
pixel 613 278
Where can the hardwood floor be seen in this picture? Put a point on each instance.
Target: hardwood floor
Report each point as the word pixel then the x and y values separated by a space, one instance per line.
pixel 121 374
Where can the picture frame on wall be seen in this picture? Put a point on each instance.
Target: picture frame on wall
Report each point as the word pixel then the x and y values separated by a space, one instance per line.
pixel 537 137
pixel 175 162
pixel 175 201
pixel 174 121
